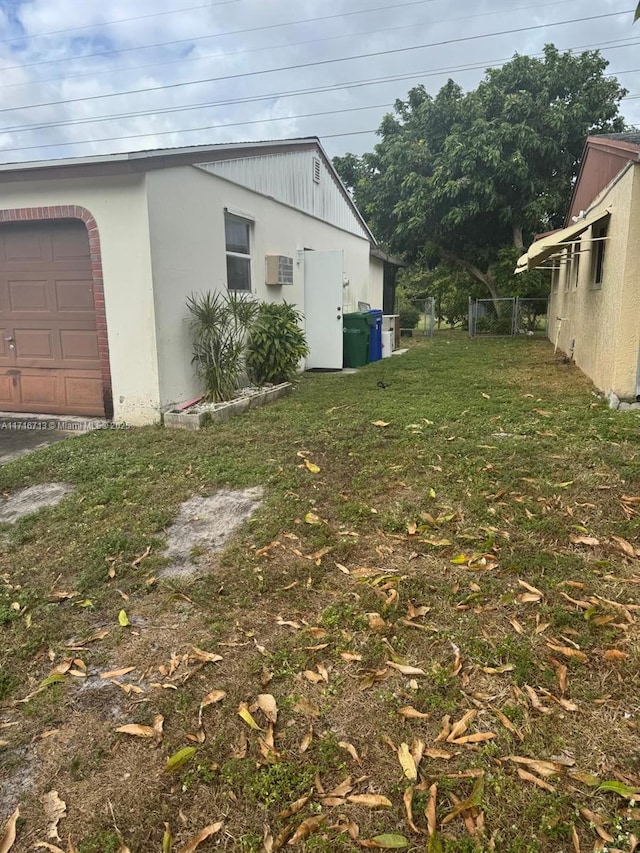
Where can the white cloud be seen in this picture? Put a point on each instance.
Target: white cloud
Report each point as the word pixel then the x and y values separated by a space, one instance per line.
pixel 35 76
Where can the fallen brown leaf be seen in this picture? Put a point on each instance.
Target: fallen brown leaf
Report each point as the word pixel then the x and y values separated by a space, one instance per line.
pixel 408 805
pixel 116 673
pixel 461 726
pixel 625 546
pixel 370 801
pixel 529 777
pixel 305 743
pixel 407 763
pixel 311 824
pixel 406 670
pixel 410 713
pixel 430 810
pixel 55 810
pixel 205 657
pixel 294 808
pixel 615 655
pixel 8 836
pixel 205 833
pixel 267 704
pixel 351 750
pixel 136 730
pixel 439 754
pixel 568 652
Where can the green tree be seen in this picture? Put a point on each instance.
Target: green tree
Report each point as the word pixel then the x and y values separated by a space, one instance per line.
pixel 460 176
pixel 637 14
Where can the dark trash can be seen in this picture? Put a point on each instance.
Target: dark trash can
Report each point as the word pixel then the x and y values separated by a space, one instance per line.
pixel 355 333
pixel 375 334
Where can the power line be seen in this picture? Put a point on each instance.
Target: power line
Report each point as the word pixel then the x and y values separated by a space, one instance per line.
pixel 287 45
pixel 194 129
pixel 217 127
pixel 322 62
pixel 295 93
pixel 118 21
pixel 227 33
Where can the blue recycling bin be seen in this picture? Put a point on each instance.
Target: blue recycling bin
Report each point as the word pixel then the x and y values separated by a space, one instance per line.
pixel 375 334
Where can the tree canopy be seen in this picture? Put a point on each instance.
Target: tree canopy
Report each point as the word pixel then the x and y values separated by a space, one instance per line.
pixel 462 175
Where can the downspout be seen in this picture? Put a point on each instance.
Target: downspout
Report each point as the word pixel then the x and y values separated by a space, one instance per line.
pixel 559 321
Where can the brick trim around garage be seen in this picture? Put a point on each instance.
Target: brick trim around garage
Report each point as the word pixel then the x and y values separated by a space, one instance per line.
pixel 74 211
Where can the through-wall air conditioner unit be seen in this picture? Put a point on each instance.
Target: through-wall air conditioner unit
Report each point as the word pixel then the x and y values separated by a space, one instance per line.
pixel 278 270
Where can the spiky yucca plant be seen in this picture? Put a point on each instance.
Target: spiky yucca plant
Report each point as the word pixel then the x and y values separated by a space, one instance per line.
pixel 219 326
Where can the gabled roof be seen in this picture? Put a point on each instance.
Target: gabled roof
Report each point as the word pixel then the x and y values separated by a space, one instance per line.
pixel 131 162
pixel 631 136
pixel 604 156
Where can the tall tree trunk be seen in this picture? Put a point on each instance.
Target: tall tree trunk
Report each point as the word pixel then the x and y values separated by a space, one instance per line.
pixel 518 242
pixel 487 278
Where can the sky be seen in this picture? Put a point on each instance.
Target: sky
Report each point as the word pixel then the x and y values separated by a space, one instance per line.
pixel 88 77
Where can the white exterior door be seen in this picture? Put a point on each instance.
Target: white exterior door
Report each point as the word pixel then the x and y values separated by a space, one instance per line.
pixel 323 282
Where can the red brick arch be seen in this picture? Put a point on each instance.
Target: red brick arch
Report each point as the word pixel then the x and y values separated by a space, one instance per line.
pixel 74 211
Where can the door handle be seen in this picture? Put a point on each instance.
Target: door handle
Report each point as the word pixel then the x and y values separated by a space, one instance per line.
pixel 9 339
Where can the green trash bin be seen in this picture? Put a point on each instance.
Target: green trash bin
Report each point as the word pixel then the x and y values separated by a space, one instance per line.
pixel 355 331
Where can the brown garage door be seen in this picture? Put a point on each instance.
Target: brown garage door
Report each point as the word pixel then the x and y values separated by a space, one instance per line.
pixel 49 357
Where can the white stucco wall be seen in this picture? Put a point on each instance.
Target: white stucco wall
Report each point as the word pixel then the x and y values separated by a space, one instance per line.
pixel 119 206
pixel 375 289
pixel 605 322
pixel 186 216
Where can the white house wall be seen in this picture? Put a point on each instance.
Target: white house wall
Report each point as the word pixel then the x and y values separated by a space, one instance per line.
pixel 186 216
pixel 289 179
pixel 119 206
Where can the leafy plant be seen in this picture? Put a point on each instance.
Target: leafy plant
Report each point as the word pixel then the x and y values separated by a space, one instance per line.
pixel 219 326
pixel 409 316
pixel 276 343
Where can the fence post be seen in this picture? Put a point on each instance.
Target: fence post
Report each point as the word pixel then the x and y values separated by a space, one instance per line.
pixel 516 317
pixel 470 321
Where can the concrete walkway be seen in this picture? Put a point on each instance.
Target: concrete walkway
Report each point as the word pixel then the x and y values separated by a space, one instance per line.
pixel 16 441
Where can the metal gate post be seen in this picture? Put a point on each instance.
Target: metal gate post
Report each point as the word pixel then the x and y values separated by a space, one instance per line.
pixel 470 323
pixel 516 312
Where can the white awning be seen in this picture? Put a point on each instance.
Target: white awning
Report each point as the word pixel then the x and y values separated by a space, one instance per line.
pixel 543 249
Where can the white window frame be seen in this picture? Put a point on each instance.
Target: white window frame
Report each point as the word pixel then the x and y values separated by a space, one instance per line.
pixel 236 217
pixel 599 238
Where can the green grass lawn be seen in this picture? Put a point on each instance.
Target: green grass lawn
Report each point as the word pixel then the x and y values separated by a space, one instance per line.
pixel 475 519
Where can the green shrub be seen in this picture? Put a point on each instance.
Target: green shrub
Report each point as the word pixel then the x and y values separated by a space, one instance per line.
pixel 409 316
pixel 276 343
pixel 219 326
pixel 492 325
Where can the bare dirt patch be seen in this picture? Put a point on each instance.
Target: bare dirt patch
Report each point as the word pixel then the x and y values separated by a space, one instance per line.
pixel 205 524
pixel 32 499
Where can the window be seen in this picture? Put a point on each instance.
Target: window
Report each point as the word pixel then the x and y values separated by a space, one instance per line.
pixel 238 245
pixel 599 244
pixel 575 270
pixel 568 268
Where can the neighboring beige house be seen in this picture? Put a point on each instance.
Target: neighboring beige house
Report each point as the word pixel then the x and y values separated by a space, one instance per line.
pixel 99 254
pixel 594 313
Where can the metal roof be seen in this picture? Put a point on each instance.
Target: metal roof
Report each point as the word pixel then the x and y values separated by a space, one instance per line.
pixel 159 158
pixel 632 136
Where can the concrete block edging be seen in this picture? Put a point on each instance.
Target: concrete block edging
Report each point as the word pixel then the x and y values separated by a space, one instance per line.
pixel 193 420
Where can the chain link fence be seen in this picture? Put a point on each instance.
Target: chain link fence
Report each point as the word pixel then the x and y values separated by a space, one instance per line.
pixel 417 317
pixel 508 317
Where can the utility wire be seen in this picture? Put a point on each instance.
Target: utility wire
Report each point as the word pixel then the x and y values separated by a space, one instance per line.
pixel 295 93
pixel 67 30
pixel 218 126
pixel 317 63
pixel 286 45
pixel 227 33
